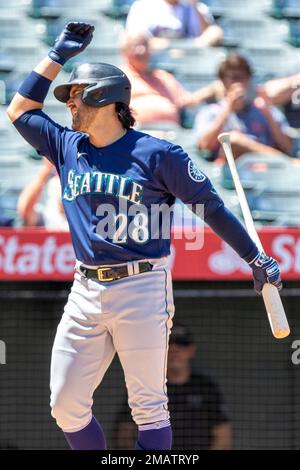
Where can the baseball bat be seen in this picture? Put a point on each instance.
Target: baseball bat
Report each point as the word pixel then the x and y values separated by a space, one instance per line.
pixel 276 314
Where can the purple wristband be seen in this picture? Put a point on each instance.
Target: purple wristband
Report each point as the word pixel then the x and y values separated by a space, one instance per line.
pixel 53 55
pixel 35 87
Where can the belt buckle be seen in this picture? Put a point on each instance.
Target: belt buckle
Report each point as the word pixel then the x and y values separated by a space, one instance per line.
pixel 100 274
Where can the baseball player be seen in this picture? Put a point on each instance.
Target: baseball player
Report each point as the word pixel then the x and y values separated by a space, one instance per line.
pixel 121 300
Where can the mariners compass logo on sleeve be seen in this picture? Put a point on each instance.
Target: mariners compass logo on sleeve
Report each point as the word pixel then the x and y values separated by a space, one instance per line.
pixel 195 173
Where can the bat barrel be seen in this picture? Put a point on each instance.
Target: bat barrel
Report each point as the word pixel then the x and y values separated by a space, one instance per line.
pixel 276 314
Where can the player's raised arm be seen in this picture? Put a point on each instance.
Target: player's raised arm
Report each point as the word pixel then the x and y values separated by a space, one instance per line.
pixel 74 38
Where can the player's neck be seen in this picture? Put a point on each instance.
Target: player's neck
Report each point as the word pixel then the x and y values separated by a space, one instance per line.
pixel 106 132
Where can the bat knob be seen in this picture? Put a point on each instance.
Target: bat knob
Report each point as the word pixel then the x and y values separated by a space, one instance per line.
pixel 224 138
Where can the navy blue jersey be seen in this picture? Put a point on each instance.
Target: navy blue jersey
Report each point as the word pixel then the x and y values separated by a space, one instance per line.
pixel 137 171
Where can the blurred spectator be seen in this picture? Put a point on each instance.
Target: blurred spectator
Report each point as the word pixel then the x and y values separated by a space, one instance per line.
pixel 51 214
pixel 285 92
pixel 170 19
pixel 281 90
pixel 198 418
pixel 156 94
pixel 255 125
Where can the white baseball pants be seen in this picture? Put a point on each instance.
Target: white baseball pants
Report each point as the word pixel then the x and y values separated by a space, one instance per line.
pixel 131 316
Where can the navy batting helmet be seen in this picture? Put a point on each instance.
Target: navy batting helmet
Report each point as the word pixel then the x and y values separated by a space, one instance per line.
pixel 106 84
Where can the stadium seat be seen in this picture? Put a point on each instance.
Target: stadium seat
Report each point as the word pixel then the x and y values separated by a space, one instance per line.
pixel 53 9
pixel 108 53
pixel 252 30
pixel 204 63
pixel 271 186
pixel 118 9
pixel 10 139
pixel 281 208
pixel 285 9
pixel 185 59
pixel 13 25
pixel 173 132
pixel 259 171
pixel 160 125
pixel 16 172
pixel 182 48
pixel 222 8
pixel 11 83
pixel 270 61
pixel 106 30
pixel 12 4
pixel 7 63
pixel 294 31
pixel 25 56
pixel 47 9
pixel 277 7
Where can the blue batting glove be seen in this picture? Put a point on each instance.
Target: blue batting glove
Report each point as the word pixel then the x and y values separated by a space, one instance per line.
pixel 265 270
pixel 73 39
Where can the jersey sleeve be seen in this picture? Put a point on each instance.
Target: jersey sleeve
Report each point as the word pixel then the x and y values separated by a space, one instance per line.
pixel 183 179
pixel 45 135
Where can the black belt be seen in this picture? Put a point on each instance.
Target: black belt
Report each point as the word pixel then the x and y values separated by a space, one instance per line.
pixel 112 273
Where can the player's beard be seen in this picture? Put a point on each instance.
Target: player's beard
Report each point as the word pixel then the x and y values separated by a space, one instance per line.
pixel 83 118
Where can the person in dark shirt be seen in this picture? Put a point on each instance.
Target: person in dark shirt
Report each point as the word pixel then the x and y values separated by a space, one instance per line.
pixel 195 402
pixel 199 419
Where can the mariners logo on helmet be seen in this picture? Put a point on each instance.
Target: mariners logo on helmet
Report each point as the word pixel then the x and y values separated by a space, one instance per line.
pixel 195 173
